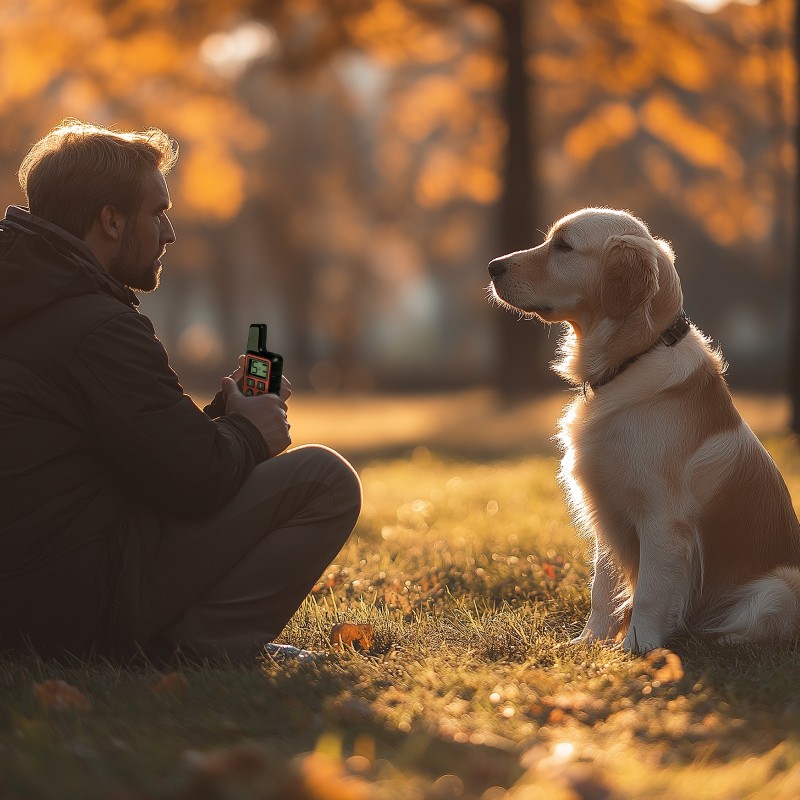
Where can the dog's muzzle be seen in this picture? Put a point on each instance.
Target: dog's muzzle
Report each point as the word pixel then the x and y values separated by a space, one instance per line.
pixel 497 267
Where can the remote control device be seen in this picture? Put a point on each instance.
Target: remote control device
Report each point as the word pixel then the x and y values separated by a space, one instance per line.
pixel 262 369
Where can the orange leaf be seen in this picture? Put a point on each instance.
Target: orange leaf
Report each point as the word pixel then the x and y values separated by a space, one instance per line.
pixel 345 634
pixel 60 696
pixel 173 683
pixel 324 778
pixel 671 670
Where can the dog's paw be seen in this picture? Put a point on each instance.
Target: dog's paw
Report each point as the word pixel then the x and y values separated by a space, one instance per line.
pixel 641 641
pixel 587 636
pixel 597 629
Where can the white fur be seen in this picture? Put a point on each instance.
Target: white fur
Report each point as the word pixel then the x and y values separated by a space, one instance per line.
pixel 766 610
pixel 692 523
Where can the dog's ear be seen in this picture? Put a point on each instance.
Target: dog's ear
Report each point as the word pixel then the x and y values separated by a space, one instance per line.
pixel 628 274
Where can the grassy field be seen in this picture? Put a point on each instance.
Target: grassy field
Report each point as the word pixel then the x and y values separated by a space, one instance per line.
pixel 474 581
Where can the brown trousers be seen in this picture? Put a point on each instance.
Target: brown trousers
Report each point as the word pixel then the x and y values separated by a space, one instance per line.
pixel 259 556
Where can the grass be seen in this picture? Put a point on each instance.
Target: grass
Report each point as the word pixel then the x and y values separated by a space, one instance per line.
pixel 474 582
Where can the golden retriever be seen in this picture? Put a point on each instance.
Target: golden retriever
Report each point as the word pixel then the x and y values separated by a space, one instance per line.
pixel 693 525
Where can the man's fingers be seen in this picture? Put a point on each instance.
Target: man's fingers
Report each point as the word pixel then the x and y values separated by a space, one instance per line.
pixel 238 373
pixel 230 389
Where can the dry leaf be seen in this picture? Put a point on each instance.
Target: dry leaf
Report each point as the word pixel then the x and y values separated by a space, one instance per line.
pixel 671 670
pixel 173 683
pixel 251 770
pixel 324 778
pixel 60 696
pixel 346 634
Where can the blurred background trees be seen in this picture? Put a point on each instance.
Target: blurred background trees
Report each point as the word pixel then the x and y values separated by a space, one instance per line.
pixel 349 167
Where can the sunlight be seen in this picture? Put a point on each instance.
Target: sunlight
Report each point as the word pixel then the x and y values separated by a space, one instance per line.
pixel 563 751
pixel 712 6
pixel 230 53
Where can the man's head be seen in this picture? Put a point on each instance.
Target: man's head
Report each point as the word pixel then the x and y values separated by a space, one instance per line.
pixel 106 188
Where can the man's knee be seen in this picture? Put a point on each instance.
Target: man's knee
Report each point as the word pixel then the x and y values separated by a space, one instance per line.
pixel 320 463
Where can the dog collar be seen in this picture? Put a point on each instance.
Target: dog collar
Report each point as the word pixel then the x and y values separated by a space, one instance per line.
pixel 670 337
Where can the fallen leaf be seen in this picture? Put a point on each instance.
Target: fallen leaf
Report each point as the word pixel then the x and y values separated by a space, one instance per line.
pixel 250 770
pixel 58 695
pixel 345 634
pixel 324 778
pixel 173 683
pixel 671 670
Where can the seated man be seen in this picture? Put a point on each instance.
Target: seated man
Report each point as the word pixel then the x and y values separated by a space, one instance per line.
pixel 130 519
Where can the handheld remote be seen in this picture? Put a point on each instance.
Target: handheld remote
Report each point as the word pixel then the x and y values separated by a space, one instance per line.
pixel 262 369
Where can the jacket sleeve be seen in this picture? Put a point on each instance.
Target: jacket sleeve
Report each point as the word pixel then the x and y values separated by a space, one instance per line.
pixel 166 451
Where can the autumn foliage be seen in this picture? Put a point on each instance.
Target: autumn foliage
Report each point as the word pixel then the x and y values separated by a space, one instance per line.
pixel 344 160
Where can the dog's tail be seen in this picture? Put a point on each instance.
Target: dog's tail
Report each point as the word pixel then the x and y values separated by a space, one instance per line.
pixel 764 610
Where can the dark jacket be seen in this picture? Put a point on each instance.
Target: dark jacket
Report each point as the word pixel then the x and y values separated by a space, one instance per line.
pixel 98 443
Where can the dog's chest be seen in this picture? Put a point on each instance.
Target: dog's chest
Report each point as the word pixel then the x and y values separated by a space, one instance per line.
pixel 612 458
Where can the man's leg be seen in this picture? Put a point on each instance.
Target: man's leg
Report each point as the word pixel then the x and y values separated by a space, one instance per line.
pixel 286 524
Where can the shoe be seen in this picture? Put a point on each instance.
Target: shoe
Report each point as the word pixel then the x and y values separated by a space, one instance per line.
pixel 286 652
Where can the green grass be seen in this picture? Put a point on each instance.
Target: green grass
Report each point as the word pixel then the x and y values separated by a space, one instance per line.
pixel 474 581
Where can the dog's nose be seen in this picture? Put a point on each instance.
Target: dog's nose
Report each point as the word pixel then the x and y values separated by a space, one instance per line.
pixel 497 267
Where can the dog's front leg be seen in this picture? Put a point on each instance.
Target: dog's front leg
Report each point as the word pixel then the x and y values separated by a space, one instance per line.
pixel 602 623
pixel 668 565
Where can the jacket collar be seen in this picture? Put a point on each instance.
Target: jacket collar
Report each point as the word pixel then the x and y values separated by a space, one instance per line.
pixel 30 222
pixel 22 219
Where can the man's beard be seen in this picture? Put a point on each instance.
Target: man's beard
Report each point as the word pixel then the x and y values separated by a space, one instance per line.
pixel 126 265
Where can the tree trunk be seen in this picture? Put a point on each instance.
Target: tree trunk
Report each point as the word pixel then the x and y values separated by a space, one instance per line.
pixel 794 344
pixel 523 351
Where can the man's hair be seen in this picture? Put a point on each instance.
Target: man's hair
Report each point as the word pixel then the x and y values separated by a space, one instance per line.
pixel 70 174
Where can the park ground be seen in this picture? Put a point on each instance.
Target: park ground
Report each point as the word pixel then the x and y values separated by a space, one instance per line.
pixel 465 564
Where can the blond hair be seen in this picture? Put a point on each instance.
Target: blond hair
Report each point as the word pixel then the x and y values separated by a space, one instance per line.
pixel 70 174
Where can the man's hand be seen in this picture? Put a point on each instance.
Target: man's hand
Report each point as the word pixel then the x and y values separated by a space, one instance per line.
pixel 266 411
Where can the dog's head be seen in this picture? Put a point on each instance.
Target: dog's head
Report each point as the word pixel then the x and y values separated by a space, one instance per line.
pixel 598 270
pixel 596 263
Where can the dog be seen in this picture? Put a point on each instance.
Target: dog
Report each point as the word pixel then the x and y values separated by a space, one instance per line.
pixel 693 526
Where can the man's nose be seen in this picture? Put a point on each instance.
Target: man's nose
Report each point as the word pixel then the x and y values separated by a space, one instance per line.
pixel 498 266
pixel 168 232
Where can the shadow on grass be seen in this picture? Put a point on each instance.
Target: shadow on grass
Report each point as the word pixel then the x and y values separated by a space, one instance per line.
pixel 754 687
pixel 230 728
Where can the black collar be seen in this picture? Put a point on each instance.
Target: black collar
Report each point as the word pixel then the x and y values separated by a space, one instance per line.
pixel 670 337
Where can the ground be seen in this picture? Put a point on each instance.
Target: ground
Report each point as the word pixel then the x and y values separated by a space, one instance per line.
pixel 465 564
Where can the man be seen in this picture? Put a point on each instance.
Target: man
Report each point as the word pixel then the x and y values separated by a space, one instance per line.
pixel 130 520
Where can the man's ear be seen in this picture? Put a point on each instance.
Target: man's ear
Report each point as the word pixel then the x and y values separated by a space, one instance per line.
pixel 628 274
pixel 112 222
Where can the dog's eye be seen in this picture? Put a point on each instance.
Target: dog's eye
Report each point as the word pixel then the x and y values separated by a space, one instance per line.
pixel 560 244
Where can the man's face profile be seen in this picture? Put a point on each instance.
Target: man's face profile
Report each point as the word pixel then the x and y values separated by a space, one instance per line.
pixel 147 233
